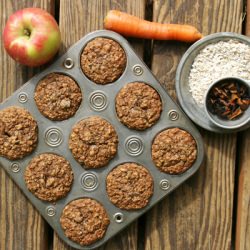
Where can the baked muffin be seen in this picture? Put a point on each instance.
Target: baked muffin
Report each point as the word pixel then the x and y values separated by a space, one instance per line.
pixel 129 186
pixel 84 221
pixel 103 60
pixel 138 106
pixel 93 142
pixel 18 133
pixel 58 96
pixel 49 177
pixel 174 151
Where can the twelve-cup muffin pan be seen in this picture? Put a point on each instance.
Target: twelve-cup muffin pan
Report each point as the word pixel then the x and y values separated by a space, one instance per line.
pixel 134 146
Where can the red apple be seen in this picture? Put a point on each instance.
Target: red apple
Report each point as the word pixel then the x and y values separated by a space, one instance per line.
pixel 31 36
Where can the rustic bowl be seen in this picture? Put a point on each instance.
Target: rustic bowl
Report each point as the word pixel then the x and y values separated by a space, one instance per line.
pixel 196 112
pixel 237 123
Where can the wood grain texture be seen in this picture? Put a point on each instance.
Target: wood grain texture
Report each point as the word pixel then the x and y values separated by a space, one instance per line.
pixel 21 227
pixel 77 18
pixel 242 241
pixel 198 215
pixel 243 209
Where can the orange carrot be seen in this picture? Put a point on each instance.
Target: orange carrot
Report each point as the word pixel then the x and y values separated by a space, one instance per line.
pixel 133 26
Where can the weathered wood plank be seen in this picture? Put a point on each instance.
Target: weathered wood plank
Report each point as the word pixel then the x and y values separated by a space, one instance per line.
pixel 242 241
pixel 77 18
pixel 21 226
pixel 243 209
pixel 199 214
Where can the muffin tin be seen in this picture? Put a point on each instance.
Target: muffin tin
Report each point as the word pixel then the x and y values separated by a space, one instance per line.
pixel 134 146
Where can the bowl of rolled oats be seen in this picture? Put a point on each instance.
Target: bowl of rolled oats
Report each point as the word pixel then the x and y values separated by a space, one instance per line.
pixel 216 56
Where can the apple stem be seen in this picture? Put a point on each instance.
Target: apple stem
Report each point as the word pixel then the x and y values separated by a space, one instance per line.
pixel 26 32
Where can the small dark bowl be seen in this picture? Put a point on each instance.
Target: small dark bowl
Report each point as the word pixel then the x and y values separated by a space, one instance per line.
pixel 237 123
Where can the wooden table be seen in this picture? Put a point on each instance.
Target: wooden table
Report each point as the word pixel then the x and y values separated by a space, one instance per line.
pixel 212 209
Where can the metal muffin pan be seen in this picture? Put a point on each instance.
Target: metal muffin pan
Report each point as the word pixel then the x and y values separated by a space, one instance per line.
pixel 134 146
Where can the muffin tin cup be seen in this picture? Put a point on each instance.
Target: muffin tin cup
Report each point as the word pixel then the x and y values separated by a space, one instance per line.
pixel 134 146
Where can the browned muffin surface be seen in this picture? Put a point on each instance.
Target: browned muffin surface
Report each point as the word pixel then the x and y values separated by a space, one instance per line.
pixel 174 151
pixel 93 142
pixel 103 60
pixel 18 133
pixel 58 96
pixel 138 106
pixel 129 186
pixel 49 177
pixel 84 221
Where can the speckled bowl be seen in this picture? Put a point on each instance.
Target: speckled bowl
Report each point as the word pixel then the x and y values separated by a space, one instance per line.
pixel 237 123
pixel 195 112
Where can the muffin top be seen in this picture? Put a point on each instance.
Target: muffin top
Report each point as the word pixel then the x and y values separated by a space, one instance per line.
pixel 93 142
pixel 138 106
pixel 84 221
pixel 58 96
pixel 18 133
pixel 174 151
pixel 49 177
pixel 103 60
pixel 129 186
